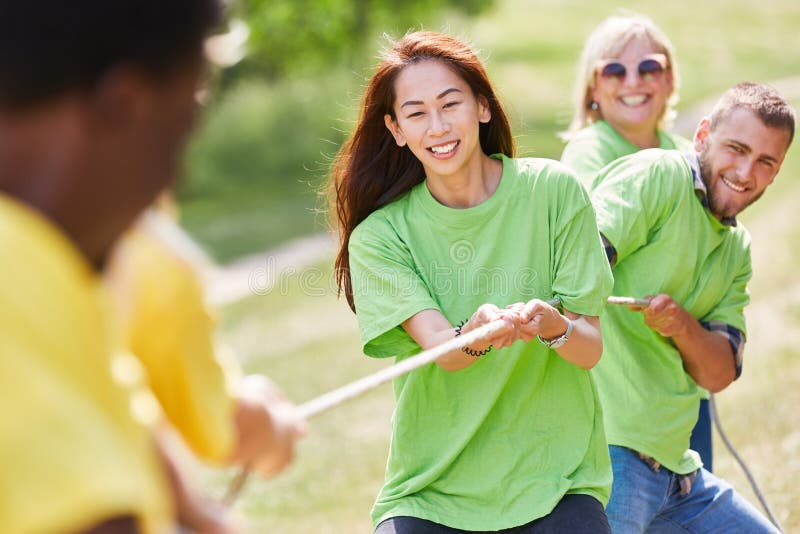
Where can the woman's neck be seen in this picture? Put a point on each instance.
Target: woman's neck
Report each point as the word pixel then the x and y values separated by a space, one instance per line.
pixel 471 186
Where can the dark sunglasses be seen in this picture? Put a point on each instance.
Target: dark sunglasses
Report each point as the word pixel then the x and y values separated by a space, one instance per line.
pixel 649 66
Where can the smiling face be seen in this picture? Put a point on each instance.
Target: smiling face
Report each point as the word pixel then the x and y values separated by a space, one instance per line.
pixel 739 158
pixel 437 115
pixel 633 103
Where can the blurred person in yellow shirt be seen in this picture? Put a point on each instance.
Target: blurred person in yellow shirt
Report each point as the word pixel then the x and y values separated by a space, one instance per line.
pixel 72 457
pixel 162 320
pixel 96 102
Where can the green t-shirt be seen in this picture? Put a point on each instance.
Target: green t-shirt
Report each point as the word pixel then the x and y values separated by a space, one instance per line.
pixel 599 144
pixel 499 443
pixel 666 242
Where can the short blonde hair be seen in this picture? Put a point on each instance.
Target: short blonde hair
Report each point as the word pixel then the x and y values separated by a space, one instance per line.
pixel 608 40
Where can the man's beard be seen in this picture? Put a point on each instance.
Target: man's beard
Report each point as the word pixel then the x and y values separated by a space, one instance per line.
pixel 715 205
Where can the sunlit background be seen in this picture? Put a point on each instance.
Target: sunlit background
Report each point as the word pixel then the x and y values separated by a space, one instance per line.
pixel 256 170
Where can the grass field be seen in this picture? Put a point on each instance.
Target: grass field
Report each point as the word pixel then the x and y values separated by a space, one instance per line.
pixel 307 340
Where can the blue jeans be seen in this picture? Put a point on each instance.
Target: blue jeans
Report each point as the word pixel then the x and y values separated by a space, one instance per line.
pixel 643 500
pixel 701 436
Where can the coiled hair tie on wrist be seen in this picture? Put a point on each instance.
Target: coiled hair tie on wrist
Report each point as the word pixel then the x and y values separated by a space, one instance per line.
pixel 467 350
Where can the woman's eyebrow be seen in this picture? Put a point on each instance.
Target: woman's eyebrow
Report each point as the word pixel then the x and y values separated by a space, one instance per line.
pixel 438 97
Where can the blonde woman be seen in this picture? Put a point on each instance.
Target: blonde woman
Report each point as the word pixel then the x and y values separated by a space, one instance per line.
pixel 625 95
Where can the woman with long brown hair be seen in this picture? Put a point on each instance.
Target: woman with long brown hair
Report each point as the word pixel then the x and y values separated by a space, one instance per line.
pixel 443 231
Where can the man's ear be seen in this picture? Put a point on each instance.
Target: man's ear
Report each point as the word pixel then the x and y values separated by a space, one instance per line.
pixel 701 134
pixel 484 111
pixel 122 96
pixel 392 126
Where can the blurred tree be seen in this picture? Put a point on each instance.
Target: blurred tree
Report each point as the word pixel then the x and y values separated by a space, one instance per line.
pixel 302 36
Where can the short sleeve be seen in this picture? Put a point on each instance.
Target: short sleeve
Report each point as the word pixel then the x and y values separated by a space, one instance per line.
pixel 632 199
pixel 387 288
pixel 730 309
pixel 582 278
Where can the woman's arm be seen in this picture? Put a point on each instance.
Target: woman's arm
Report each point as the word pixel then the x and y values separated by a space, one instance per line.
pixel 430 328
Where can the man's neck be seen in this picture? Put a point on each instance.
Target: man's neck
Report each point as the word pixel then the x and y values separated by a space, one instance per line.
pixel 42 165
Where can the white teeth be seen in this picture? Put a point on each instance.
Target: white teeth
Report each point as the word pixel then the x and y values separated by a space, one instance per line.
pixel 633 100
pixel 444 149
pixel 736 187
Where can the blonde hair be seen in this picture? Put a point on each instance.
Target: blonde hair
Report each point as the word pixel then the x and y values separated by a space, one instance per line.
pixel 608 40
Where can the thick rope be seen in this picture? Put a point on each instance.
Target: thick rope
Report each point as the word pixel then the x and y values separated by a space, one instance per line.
pixel 628 301
pixel 740 461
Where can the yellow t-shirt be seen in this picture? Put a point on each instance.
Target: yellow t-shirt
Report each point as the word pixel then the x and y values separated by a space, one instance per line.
pixel 72 455
pixel 163 321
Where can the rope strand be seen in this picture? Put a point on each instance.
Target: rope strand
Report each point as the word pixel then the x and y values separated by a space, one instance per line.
pixel 740 461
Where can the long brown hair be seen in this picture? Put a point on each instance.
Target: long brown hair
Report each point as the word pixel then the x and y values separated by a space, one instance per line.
pixel 370 170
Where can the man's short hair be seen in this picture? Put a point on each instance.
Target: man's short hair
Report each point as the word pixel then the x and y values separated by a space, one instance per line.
pixel 48 47
pixel 761 99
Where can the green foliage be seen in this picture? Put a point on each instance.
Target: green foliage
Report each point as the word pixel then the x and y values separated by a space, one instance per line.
pixel 261 130
pixel 258 162
pixel 302 36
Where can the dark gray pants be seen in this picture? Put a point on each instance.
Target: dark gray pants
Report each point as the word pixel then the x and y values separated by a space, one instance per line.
pixel 574 514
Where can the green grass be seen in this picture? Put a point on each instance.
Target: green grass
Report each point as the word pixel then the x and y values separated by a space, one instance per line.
pixel 256 167
pixel 307 340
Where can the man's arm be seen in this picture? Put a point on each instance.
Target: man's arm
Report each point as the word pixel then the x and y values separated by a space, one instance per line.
pixel 708 355
pixel 711 352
